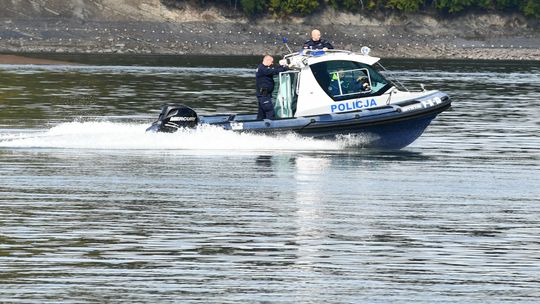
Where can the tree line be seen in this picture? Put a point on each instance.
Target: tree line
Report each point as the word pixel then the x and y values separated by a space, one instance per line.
pixel 283 8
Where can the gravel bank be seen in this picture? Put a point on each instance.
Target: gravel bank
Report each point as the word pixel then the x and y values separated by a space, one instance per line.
pixel 410 36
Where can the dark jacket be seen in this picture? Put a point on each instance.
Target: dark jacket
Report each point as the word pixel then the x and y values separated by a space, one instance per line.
pixel 265 78
pixel 317 45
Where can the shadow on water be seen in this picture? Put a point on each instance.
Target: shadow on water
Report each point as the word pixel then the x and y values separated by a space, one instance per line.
pixel 217 61
pixel 427 65
pixel 388 155
pixel 350 159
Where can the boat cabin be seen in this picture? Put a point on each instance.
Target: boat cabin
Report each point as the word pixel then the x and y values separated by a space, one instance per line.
pixel 332 81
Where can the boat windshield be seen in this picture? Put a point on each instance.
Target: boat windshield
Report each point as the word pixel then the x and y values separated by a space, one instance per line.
pixel 342 79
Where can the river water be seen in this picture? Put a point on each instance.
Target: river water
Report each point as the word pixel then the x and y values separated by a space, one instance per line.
pixel 95 210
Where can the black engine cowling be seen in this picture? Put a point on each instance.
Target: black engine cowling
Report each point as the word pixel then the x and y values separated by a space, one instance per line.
pixel 174 117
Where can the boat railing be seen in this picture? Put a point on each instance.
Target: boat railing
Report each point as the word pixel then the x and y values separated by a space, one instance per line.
pixel 316 53
pixel 392 78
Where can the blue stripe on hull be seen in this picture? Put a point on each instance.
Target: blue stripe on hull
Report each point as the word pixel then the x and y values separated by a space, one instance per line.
pixel 393 135
pixel 398 135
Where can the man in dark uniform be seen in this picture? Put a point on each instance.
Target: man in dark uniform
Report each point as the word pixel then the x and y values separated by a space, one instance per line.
pixel 265 85
pixel 316 43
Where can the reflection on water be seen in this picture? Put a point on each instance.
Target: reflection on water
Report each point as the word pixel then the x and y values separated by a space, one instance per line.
pixel 95 211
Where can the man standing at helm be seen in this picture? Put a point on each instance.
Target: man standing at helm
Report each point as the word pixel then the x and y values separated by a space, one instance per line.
pixel 264 79
pixel 316 43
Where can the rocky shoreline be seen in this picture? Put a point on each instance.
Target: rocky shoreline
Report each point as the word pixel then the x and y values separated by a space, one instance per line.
pixel 490 37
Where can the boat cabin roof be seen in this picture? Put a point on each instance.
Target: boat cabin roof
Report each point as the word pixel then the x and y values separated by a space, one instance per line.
pixel 308 57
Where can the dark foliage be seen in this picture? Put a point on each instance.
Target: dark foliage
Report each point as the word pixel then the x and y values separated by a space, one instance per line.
pixel 283 8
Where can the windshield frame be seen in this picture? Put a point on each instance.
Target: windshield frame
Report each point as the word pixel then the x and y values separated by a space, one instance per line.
pixel 323 73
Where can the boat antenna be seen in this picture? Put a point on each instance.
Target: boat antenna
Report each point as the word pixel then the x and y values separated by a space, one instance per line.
pixel 394 78
pixel 285 40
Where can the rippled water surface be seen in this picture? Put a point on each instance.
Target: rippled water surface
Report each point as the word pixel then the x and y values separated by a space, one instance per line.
pixel 95 210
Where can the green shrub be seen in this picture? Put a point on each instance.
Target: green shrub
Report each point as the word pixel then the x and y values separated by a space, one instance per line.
pixel 453 6
pixel 532 9
pixel 405 5
pixel 347 5
pixel 293 7
pixel 253 7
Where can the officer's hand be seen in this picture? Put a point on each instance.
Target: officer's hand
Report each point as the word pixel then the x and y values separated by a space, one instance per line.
pixel 283 62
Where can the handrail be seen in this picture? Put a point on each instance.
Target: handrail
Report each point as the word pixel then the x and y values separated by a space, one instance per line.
pixel 393 79
pixel 307 52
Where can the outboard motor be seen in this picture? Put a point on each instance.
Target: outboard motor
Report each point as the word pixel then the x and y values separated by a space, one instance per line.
pixel 174 117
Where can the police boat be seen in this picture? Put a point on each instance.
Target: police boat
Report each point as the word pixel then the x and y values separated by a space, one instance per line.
pixel 330 94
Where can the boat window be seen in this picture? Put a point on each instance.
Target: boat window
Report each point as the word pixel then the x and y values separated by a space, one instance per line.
pixel 342 79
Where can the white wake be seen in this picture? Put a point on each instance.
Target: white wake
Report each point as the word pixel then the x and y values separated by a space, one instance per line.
pixel 132 136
